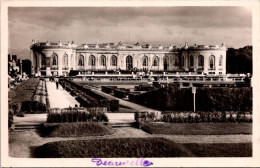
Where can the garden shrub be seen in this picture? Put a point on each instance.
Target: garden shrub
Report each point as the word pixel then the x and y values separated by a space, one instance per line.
pixel 207 99
pixel 57 115
pixel 20 114
pixel 108 89
pixel 88 98
pixel 75 129
pixel 121 93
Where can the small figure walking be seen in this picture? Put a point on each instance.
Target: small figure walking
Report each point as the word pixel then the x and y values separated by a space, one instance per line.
pixel 57 83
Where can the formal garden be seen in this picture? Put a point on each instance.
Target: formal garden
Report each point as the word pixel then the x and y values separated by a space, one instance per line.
pixel 219 111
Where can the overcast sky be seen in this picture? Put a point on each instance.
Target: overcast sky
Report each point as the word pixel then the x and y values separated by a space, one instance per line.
pixel 153 25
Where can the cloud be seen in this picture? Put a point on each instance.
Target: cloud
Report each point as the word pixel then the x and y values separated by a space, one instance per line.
pixel 155 25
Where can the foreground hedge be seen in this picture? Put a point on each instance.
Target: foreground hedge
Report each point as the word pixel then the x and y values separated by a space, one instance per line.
pixel 75 129
pixel 207 99
pixel 139 148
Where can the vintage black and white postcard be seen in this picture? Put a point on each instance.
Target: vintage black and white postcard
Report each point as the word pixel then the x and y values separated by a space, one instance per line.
pixel 130 83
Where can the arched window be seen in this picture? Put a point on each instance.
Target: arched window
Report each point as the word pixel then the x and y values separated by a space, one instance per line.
pixel 212 62
pixel 165 63
pixel 201 60
pixel 129 62
pixel 191 60
pixel 43 60
pixel 221 60
pixel 65 60
pixel 103 60
pixel 155 61
pixel 114 61
pixel 176 61
pixel 71 59
pixel 145 61
pixel 81 60
pixel 54 59
pixel 92 60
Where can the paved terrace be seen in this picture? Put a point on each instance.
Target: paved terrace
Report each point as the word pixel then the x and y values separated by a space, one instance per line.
pixel 59 98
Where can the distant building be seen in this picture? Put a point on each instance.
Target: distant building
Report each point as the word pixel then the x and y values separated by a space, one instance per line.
pixel 13 64
pixel 59 59
pixel 26 67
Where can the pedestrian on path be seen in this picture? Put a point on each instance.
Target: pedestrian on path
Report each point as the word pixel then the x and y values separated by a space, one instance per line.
pixel 57 83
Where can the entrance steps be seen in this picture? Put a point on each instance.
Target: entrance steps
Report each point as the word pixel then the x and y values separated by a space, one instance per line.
pixel 123 124
pixel 26 127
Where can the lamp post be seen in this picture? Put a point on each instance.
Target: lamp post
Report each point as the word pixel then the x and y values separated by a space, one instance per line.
pixel 194 101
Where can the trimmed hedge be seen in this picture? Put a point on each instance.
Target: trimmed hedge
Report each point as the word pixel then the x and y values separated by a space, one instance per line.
pixel 133 96
pixel 57 115
pixel 207 99
pixel 108 89
pixel 121 93
pixel 75 129
pixel 145 88
pixel 88 98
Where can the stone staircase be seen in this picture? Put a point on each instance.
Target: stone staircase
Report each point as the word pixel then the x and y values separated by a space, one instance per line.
pixel 123 124
pixel 26 127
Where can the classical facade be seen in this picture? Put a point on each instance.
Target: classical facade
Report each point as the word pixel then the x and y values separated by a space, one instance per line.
pixel 59 59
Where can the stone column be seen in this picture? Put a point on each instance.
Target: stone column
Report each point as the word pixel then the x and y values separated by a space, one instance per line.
pixel 196 62
pixel 32 61
pixel 38 64
pixel 206 63
pixel 59 64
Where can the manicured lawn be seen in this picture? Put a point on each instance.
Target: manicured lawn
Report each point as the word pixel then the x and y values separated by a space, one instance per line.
pixel 197 128
pixel 221 150
pixel 75 129
pixel 24 91
pixel 139 147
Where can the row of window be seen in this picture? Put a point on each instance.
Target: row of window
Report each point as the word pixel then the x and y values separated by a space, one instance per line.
pixel 201 61
pixel 129 60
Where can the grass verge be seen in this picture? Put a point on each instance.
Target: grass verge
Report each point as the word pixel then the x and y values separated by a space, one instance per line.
pixel 197 128
pixel 139 147
pixel 75 129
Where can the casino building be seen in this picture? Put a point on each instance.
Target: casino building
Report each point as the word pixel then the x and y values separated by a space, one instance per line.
pixel 60 59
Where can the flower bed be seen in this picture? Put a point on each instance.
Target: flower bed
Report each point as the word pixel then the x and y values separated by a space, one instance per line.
pixel 193 117
pixel 30 96
pixel 57 115
pixel 39 101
